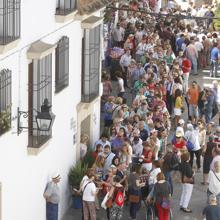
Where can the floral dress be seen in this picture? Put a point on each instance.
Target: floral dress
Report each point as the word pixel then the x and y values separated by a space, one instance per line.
pixel 116 212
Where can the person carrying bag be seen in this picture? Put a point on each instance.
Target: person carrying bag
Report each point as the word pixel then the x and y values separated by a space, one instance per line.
pixel 135 191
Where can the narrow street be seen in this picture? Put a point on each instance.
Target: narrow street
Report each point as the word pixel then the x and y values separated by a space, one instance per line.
pixel 198 200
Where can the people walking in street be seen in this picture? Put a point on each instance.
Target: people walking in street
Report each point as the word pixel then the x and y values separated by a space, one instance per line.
pixel 192 135
pixel 214 60
pixel 117 194
pixel 207 153
pixel 162 196
pixel 193 98
pixel 187 182
pixel 89 192
pixel 135 191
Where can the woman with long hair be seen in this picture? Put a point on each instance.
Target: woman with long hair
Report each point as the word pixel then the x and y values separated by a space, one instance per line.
pixel 207 153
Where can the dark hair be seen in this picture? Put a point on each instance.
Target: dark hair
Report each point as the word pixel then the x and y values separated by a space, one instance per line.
pixel 107 146
pixel 178 93
pixel 104 135
pixel 137 168
pixel 118 74
pixel 113 160
pixel 98 146
pixel 117 179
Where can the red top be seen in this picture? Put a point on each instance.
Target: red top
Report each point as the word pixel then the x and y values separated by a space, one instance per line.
pixel 180 145
pixel 186 65
pixel 148 156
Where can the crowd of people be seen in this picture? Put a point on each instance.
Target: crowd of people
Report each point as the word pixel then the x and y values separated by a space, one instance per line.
pixel 155 118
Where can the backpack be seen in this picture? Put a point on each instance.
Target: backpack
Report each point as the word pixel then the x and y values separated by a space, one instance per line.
pixel 173 162
pixel 119 198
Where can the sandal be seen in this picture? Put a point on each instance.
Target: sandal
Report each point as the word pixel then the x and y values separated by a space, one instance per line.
pixel 187 210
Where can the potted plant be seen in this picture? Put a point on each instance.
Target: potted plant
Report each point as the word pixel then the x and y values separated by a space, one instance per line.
pixel 75 176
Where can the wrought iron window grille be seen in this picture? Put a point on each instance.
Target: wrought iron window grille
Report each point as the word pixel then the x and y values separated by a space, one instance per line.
pixel 62 64
pixel 91 64
pixel 65 7
pixel 10 23
pixel 5 100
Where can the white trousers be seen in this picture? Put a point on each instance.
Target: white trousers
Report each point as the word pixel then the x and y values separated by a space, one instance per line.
pixel 187 189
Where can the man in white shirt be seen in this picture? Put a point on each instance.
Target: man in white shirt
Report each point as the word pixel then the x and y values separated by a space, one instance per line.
pixel 89 193
pixel 118 35
pixel 124 63
pixel 199 47
pixel 192 135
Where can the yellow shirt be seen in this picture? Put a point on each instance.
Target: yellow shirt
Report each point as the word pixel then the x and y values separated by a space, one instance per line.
pixel 179 102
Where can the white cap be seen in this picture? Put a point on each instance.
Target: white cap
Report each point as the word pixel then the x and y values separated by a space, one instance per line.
pixel 190 127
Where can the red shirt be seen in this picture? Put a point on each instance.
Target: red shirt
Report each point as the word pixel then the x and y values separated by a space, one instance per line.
pixel 148 156
pixel 186 65
pixel 180 145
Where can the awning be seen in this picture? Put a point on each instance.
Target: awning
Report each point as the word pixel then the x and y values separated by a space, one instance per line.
pixel 91 22
pixel 90 6
pixel 39 49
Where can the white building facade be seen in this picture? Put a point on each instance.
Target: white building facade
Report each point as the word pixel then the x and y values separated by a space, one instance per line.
pixel 49 56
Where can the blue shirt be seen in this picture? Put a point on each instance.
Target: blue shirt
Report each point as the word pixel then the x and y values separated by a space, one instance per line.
pixel 215 54
pixel 179 43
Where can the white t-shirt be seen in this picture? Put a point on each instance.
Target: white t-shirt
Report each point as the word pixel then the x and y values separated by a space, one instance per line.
pixel 214 184
pixel 153 176
pixel 89 189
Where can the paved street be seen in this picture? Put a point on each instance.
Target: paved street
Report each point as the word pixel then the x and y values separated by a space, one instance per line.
pixel 198 200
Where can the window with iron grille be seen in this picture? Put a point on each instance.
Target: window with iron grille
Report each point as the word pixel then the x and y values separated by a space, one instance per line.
pixel 62 64
pixel 90 64
pixel 40 88
pixel 9 21
pixel 5 101
pixel 65 7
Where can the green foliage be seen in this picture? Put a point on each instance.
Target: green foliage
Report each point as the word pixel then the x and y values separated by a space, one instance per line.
pixel 217 21
pixel 88 159
pixel 5 121
pixel 76 174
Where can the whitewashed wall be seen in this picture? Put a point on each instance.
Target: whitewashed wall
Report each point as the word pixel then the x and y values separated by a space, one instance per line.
pixel 24 177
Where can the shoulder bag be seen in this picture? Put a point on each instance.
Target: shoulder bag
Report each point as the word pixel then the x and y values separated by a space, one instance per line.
pixel 216 176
